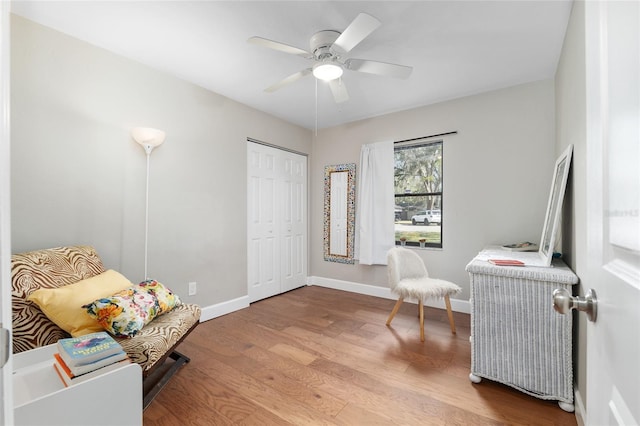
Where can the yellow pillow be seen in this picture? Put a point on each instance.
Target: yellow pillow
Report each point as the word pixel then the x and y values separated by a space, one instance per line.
pixel 63 305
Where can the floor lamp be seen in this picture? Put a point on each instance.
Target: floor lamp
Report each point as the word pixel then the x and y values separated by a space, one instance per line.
pixel 149 138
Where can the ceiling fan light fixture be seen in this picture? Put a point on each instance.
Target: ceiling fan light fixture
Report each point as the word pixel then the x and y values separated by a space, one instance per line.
pixel 327 71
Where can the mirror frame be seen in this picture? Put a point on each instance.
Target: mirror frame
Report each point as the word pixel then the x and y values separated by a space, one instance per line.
pixel 554 206
pixel 350 168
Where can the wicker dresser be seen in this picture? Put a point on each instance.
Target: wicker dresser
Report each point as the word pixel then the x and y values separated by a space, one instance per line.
pixel 516 336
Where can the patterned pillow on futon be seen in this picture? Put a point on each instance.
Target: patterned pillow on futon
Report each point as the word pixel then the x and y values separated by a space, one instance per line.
pixel 126 312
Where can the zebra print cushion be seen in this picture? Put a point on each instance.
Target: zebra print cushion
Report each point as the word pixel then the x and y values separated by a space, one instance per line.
pixel 56 267
pixel 51 268
pixel 151 343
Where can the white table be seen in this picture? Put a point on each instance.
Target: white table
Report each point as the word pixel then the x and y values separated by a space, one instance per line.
pixel 40 398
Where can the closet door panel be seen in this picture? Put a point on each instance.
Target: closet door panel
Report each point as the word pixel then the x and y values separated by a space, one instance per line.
pixel 295 221
pixel 263 261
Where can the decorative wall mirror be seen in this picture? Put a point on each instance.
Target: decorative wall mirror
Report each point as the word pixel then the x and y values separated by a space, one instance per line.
pixel 339 212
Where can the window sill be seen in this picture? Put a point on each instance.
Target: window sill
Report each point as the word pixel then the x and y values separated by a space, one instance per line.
pixel 417 246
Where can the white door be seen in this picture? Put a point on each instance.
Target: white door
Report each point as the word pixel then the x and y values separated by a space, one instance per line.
pixel 277 224
pixel 6 383
pixel 262 229
pixel 294 221
pixel 613 211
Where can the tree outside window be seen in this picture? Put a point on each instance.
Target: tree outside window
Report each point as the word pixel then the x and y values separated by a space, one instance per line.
pixel 418 194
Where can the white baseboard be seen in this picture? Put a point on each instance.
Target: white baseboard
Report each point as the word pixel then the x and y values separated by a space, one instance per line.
pixel 213 311
pixel 369 290
pixel 457 305
pixel 217 310
pixel 579 408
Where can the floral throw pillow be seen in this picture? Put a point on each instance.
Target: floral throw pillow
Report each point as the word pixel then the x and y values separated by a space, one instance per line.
pixel 167 300
pixel 126 312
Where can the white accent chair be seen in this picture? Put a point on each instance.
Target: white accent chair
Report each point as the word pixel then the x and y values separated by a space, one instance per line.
pixel 408 278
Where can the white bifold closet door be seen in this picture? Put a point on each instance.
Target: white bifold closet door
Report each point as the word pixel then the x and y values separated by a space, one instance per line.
pixel 276 221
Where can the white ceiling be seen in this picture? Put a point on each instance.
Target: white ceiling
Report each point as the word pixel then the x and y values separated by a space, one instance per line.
pixel 457 48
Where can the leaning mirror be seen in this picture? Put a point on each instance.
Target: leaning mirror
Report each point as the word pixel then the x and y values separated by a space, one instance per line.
pixel 339 212
pixel 554 207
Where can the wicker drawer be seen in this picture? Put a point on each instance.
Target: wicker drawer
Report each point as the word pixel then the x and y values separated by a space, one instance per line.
pixel 517 337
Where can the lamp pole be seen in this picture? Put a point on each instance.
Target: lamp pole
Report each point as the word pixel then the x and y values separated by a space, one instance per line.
pixel 148 138
pixel 146 213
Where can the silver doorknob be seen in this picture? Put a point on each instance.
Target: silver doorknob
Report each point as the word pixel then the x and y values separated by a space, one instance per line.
pixel 564 302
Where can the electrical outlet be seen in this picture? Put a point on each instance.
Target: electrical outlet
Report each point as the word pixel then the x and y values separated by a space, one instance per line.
pixel 192 288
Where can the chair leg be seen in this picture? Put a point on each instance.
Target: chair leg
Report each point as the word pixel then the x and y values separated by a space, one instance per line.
pixel 421 308
pixel 450 314
pixel 395 310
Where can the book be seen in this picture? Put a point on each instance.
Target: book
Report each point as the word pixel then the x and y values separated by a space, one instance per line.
pixel 506 262
pixel 69 379
pixel 88 348
pixel 77 370
pixel 525 246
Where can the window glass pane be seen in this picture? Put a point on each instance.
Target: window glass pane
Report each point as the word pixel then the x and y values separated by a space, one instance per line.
pixel 418 169
pixel 415 222
pixel 418 189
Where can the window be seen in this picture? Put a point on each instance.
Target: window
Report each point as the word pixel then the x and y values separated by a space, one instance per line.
pixel 418 193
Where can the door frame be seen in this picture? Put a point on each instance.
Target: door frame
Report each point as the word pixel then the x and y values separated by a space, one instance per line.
pixel 6 382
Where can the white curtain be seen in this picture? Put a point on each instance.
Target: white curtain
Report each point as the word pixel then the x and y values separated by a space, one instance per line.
pixel 375 208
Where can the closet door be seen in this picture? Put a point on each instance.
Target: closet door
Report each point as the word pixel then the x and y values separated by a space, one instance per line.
pixel 294 222
pixel 277 221
pixel 262 230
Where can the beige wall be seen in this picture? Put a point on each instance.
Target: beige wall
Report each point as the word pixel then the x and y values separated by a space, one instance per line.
pixel 497 174
pixel 78 178
pixel 571 128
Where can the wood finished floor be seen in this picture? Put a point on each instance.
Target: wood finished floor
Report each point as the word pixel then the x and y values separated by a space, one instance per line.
pixel 317 356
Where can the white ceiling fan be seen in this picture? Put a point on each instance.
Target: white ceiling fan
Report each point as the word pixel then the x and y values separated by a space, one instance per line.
pixel 327 50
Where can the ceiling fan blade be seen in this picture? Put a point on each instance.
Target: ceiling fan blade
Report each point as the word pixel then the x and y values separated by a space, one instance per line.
pixel 378 68
pixel 276 45
pixel 339 90
pixel 288 80
pixel 357 31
